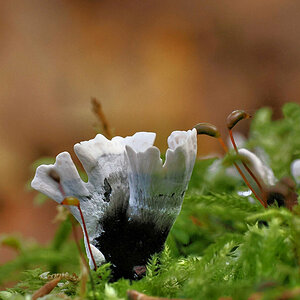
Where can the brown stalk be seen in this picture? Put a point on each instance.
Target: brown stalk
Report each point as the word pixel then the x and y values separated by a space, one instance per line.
pixel 76 239
pixel 232 120
pixel 87 237
pixel 248 170
pixel 85 267
pixel 97 109
pixel 242 174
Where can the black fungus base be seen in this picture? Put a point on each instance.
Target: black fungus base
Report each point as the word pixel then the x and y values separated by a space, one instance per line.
pixel 128 245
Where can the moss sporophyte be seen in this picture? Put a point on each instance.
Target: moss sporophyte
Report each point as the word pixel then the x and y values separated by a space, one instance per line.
pixel 257 174
pixel 131 199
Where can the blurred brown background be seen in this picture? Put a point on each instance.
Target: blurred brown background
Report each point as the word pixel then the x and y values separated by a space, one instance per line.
pixel 155 65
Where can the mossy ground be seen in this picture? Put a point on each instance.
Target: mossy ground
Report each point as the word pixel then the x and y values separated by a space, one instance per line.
pixel 222 244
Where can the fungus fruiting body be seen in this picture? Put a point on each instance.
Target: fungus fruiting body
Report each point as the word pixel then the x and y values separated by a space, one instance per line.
pixel 131 199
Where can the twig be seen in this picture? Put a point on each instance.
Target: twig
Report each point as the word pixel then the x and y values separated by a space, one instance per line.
pixel 47 288
pixel 97 109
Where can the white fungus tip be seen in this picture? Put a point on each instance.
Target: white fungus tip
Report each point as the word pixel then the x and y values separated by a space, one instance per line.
pixel 157 190
pixel 140 141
